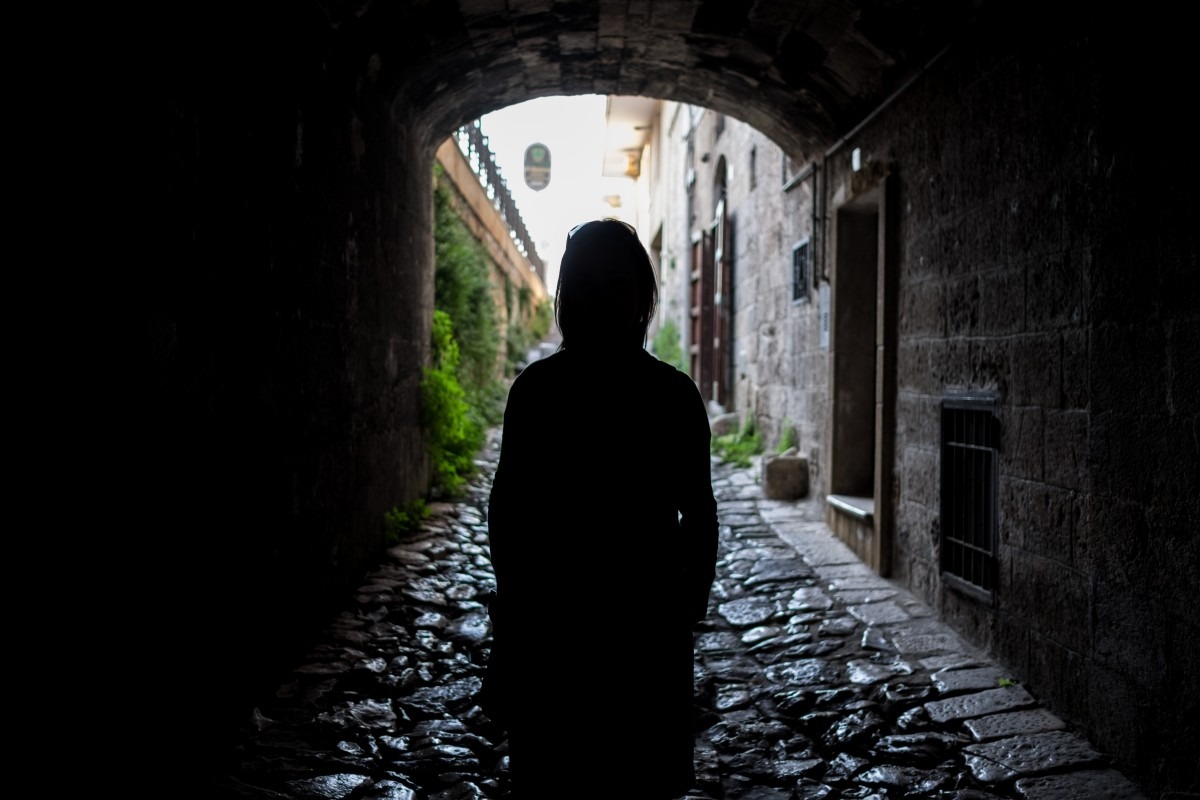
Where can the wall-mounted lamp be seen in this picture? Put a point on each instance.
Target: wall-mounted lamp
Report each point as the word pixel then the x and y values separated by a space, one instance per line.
pixel 633 163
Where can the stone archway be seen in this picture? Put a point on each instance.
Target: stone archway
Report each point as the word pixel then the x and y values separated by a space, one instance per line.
pixel 274 171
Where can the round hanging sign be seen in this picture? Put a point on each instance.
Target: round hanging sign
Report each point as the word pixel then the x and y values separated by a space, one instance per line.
pixel 537 166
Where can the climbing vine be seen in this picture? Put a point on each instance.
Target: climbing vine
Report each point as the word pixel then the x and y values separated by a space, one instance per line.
pixel 463 290
pixel 667 345
pixel 453 428
pixel 529 324
pixel 463 390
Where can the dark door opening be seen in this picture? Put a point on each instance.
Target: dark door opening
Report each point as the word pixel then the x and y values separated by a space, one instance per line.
pixel 863 379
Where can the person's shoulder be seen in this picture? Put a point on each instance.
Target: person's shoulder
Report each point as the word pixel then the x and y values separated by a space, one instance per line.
pixel 540 370
pixel 670 374
pixel 658 363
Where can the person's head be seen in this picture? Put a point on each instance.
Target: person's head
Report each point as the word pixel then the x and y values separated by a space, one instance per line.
pixel 606 288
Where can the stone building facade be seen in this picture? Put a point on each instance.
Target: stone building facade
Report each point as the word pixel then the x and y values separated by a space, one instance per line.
pixel 773 369
pixel 512 275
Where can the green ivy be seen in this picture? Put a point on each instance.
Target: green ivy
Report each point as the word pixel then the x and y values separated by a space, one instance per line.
pixel 667 345
pixel 739 446
pixel 529 326
pixel 399 522
pixel 452 428
pixel 463 290
pixel 463 391
pixel 543 315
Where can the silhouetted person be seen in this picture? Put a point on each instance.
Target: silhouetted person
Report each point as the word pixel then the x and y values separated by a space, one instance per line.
pixel 603 535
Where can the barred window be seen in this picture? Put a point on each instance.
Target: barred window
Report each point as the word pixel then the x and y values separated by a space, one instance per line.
pixel 800 272
pixel 969 514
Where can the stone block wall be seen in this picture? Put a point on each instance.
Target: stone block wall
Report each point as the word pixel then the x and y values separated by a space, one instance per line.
pixel 510 272
pixel 1040 259
pixel 668 217
pixel 282 306
pixel 779 369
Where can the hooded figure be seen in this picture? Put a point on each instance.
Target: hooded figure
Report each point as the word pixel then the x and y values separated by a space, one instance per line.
pixel 603 535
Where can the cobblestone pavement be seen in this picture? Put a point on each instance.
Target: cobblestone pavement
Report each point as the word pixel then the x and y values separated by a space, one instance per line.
pixel 815 678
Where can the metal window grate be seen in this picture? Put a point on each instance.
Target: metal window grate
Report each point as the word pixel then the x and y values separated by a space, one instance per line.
pixel 800 272
pixel 969 515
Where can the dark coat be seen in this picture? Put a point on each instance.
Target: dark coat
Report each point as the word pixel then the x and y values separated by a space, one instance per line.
pixel 603 533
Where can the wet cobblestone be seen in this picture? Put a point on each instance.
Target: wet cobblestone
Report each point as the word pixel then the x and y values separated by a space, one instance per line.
pixel 815 679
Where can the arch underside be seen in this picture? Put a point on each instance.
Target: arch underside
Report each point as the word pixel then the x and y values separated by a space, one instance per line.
pixel 801 74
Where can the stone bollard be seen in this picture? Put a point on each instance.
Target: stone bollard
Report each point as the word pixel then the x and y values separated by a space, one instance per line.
pixel 785 476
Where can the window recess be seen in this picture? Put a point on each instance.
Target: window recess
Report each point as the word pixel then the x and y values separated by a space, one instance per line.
pixel 969 490
pixel 800 270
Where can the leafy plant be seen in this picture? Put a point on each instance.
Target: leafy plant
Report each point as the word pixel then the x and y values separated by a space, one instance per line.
pixel 462 391
pixel 787 440
pixel 667 345
pixel 453 429
pixel 399 522
pixel 487 403
pixel 539 321
pixel 529 325
pixel 463 290
pixel 738 447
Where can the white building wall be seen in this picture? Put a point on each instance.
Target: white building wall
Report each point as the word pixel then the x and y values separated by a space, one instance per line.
pixel 668 212
pixel 780 370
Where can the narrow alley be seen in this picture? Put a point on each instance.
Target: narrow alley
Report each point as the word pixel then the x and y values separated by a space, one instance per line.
pixel 936 246
pixel 814 678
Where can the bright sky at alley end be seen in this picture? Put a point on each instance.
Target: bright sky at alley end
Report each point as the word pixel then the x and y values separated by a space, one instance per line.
pixel 573 130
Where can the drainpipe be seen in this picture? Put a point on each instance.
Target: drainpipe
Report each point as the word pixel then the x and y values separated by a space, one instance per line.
pixel 890 99
pixel 809 172
pixel 836 146
pixel 820 201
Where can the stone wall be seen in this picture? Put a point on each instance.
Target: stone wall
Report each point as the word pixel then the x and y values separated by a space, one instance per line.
pixel 1039 255
pixel 668 217
pixel 1020 181
pixel 278 242
pixel 511 272
pixel 779 367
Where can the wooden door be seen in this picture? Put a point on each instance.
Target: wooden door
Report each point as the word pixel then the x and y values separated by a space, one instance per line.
pixel 701 342
pixel 722 355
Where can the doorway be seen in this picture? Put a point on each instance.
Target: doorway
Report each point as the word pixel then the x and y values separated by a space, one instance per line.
pixel 859 504
pixel 711 355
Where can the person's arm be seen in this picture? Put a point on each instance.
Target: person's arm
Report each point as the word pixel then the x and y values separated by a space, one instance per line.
pixel 698 507
pixel 504 502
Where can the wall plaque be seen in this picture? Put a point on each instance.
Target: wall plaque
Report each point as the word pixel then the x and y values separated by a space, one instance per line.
pixel 537 166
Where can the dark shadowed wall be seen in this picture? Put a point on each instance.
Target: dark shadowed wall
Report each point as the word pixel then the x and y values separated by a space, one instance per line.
pixel 1046 258
pixel 279 258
